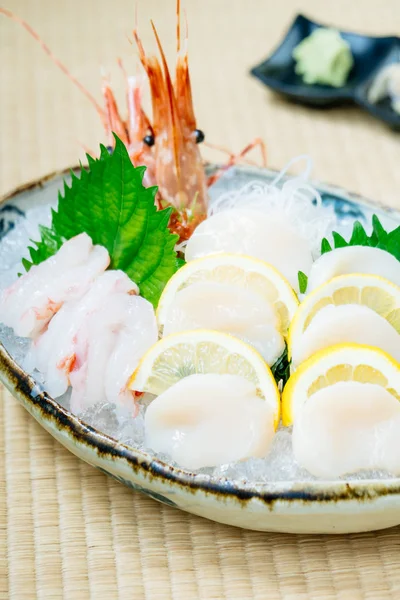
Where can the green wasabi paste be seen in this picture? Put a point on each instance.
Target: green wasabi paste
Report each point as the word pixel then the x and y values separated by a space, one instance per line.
pixel 323 57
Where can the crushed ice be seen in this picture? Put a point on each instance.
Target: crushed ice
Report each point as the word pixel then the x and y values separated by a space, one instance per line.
pixel 118 422
pixel 14 246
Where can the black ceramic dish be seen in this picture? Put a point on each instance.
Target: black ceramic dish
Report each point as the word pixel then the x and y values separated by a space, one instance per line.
pixel 370 55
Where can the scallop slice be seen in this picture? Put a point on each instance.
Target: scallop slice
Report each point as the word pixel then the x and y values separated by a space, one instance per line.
pixel 209 420
pixel 348 427
pixel 252 232
pixel 230 309
pixel 353 259
pixel 351 323
pixel 28 305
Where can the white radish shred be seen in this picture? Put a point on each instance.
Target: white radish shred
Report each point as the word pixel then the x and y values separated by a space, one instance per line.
pixel 280 223
pixel 295 202
pixel 208 420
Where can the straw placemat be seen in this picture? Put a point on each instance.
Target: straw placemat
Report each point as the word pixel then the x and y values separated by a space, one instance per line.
pixel 67 531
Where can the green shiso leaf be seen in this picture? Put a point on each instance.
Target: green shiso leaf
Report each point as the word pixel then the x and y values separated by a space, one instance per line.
pixel 325 246
pixel 338 240
pixel 379 238
pixel 180 262
pixel 49 244
pixel 109 202
pixel 379 235
pixel 303 280
pixel 359 236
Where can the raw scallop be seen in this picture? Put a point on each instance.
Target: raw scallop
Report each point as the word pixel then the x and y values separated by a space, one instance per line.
pixel 253 233
pixel 231 309
pixel 353 259
pixel 209 420
pixel 348 427
pixel 352 323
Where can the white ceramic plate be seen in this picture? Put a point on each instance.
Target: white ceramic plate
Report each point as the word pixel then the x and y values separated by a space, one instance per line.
pixel 315 507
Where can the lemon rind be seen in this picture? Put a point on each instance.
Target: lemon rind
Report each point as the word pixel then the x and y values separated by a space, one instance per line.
pixel 300 315
pixel 219 259
pixel 349 353
pixel 232 344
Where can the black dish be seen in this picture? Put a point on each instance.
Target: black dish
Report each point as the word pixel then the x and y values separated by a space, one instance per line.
pixel 370 55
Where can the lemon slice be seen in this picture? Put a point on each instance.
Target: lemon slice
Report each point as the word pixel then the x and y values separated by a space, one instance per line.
pixel 345 362
pixel 244 271
pixel 202 351
pixel 372 291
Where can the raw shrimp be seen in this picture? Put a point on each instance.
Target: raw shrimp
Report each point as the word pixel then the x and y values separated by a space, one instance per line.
pixel 229 308
pixel 352 323
pixel 57 352
pixel 209 420
pixel 136 335
pixel 353 259
pixel 28 304
pixel 348 427
pixel 168 144
pixel 113 340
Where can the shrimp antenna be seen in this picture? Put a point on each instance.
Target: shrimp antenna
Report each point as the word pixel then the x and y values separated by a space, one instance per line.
pixel 171 98
pixel 142 53
pixel 178 25
pixel 122 67
pixel 186 26
pixel 55 60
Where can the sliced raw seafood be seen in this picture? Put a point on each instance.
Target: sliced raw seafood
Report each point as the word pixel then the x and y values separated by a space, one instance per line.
pixel 353 259
pixel 348 427
pixel 229 308
pixel 345 323
pixel 253 233
pixel 28 304
pixel 208 420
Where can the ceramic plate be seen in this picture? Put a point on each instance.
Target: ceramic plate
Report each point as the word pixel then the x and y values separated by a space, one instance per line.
pixel 314 507
pixel 370 55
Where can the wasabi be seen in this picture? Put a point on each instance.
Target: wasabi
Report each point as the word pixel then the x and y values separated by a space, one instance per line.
pixel 324 57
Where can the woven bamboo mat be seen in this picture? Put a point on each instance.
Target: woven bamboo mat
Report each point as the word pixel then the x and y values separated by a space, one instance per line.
pixel 66 531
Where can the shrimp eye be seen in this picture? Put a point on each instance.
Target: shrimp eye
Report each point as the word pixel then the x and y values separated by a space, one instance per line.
pixel 110 149
pixel 199 136
pixel 149 140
